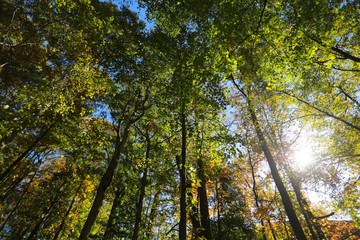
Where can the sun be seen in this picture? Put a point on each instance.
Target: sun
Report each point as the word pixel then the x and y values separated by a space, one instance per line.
pixel 303 154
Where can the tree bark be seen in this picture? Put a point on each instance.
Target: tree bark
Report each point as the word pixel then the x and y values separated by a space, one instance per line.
pixel 256 196
pixel 104 184
pixel 152 215
pixel 25 153
pixel 18 202
pixel 344 54
pixel 289 208
pixel 182 172
pixel 193 212
pixel 204 206
pixel 272 229
pixel 62 224
pixel 283 220
pixel 119 193
pixel 143 183
pixel 53 201
pixel 218 205
pixel 305 208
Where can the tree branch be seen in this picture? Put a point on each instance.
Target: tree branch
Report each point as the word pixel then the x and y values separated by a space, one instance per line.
pixel 329 114
pixel 343 53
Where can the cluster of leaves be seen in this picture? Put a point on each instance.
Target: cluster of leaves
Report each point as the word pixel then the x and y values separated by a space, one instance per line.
pixel 112 131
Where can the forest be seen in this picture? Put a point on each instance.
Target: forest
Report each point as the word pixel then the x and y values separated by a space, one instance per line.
pixel 180 119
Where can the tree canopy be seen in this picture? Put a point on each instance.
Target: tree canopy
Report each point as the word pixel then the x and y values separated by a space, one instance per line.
pixel 186 123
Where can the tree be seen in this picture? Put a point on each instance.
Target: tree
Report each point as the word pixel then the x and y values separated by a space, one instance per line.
pixel 183 128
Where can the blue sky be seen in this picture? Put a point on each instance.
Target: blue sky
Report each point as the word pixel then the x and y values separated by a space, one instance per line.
pixel 134 6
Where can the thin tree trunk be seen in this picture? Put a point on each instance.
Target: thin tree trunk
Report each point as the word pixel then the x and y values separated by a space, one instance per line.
pixel 301 200
pixel 58 231
pixel 305 208
pixel 104 184
pixel 218 237
pixel 139 205
pixel 13 185
pixel 354 100
pixel 54 200
pixel 263 229
pixel 143 183
pixel 36 229
pixel 152 215
pixel 272 229
pixel 344 54
pixel 119 193
pixel 25 153
pixel 193 212
pixel 283 220
pixel 18 203
pixel 181 166
pixel 289 208
pixel 204 206
pixel 311 222
pixel 256 196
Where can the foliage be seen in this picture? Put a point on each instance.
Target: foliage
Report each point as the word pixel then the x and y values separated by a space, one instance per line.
pixel 97 108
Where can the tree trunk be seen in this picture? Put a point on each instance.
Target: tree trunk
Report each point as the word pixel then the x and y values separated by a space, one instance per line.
pixel 305 209
pixel 104 184
pixel 311 222
pixel 18 202
pixel 193 212
pixel 58 231
pixel 119 193
pixel 25 153
pixel 13 185
pixel 143 183
pixel 204 206
pixel 300 200
pixel 283 220
pixel 181 166
pixel 53 201
pixel 256 196
pixel 289 208
pixel 272 229
pixel 152 215
pixel 263 229
pixel 218 204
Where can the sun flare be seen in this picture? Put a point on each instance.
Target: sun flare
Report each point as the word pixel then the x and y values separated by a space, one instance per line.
pixel 303 154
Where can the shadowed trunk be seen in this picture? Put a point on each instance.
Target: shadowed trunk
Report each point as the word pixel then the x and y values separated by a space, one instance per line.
pixel 289 208
pixel 119 193
pixel 152 215
pixel 143 183
pixel 283 220
pixel 181 167
pixel 193 212
pixel 104 184
pixel 218 204
pixel 272 229
pixel 310 219
pixel 204 206
pixel 256 196
pixel 53 202
pixel 18 202
pixel 62 224
pixel 8 171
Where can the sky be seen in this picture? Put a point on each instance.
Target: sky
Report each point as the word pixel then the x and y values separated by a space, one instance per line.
pixel 134 6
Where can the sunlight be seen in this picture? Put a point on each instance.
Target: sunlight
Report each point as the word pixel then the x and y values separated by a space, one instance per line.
pixel 303 153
